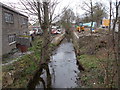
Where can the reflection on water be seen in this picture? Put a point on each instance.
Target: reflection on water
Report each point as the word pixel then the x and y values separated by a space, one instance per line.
pixel 45 79
pixel 62 71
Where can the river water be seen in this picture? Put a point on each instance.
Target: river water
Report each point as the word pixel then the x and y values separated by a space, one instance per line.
pixel 63 68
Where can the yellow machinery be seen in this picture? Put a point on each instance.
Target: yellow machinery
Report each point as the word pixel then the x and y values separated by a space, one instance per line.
pixel 80 27
pixel 105 22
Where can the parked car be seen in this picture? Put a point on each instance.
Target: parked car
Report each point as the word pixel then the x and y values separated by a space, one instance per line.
pixel 59 31
pixel 54 31
pixel 38 30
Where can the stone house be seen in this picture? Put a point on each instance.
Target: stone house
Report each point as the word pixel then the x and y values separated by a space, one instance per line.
pixel 13 24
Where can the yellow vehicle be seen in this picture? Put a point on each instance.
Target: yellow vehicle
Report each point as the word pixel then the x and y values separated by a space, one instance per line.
pixel 80 27
pixel 105 23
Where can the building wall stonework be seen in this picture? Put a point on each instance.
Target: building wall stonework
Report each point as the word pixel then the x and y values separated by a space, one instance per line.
pixel 16 28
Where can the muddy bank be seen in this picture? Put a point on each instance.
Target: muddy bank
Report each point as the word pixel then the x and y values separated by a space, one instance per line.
pixel 76 43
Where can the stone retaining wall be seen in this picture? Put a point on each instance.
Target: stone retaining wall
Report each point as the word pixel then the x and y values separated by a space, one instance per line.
pixel 58 39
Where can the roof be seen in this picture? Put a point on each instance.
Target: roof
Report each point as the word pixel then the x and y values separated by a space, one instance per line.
pixel 11 9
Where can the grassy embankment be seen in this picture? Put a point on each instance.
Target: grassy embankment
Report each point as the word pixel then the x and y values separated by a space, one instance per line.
pixel 98 60
pixel 18 74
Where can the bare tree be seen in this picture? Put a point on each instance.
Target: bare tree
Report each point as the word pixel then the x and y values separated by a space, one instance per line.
pixel 118 44
pixel 115 42
pixel 89 10
pixel 44 10
pixel 116 17
pixel 110 15
pixel 66 20
pixel 118 53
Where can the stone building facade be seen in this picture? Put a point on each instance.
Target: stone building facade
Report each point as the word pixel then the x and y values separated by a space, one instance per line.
pixel 14 24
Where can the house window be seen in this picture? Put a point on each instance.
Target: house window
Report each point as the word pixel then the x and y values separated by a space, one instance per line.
pixel 9 17
pixel 12 39
pixel 24 21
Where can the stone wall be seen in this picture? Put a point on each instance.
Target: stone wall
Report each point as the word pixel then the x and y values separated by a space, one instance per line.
pixel 58 39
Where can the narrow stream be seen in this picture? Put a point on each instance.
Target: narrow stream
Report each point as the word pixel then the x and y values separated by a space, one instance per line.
pixel 63 69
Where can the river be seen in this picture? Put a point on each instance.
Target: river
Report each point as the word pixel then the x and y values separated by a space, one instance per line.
pixel 63 69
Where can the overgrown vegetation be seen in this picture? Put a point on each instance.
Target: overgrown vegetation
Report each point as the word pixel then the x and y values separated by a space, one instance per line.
pixel 19 73
pixel 7 57
pixel 99 62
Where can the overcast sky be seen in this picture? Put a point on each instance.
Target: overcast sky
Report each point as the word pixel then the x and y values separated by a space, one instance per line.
pixel 73 4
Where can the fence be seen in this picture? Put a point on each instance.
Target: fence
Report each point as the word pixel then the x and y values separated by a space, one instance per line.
pixel 24 40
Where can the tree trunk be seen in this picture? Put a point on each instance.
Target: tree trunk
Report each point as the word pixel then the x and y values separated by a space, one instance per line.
pixel 39 14
pixel 46 37
pixel 119 55
pixel 110 16
pixel 91 17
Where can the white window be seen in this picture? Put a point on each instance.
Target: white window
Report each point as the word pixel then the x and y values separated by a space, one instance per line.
pixel 9 17
pixel 11 38
pixel 24 21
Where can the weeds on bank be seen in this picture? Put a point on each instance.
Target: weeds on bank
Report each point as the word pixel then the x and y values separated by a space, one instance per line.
pixel 22 70
pixel 99 62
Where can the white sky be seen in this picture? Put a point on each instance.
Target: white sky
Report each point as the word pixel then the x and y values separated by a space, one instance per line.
pixel 73 4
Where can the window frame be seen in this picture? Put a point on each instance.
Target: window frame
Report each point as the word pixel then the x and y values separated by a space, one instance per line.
pixel 8 17
pixel 11 39
pixel 24 21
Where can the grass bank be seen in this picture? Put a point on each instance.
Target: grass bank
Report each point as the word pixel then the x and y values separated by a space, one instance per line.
pixel 98 58
pixel 18 74
pixel 21 72
pixel 93 76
